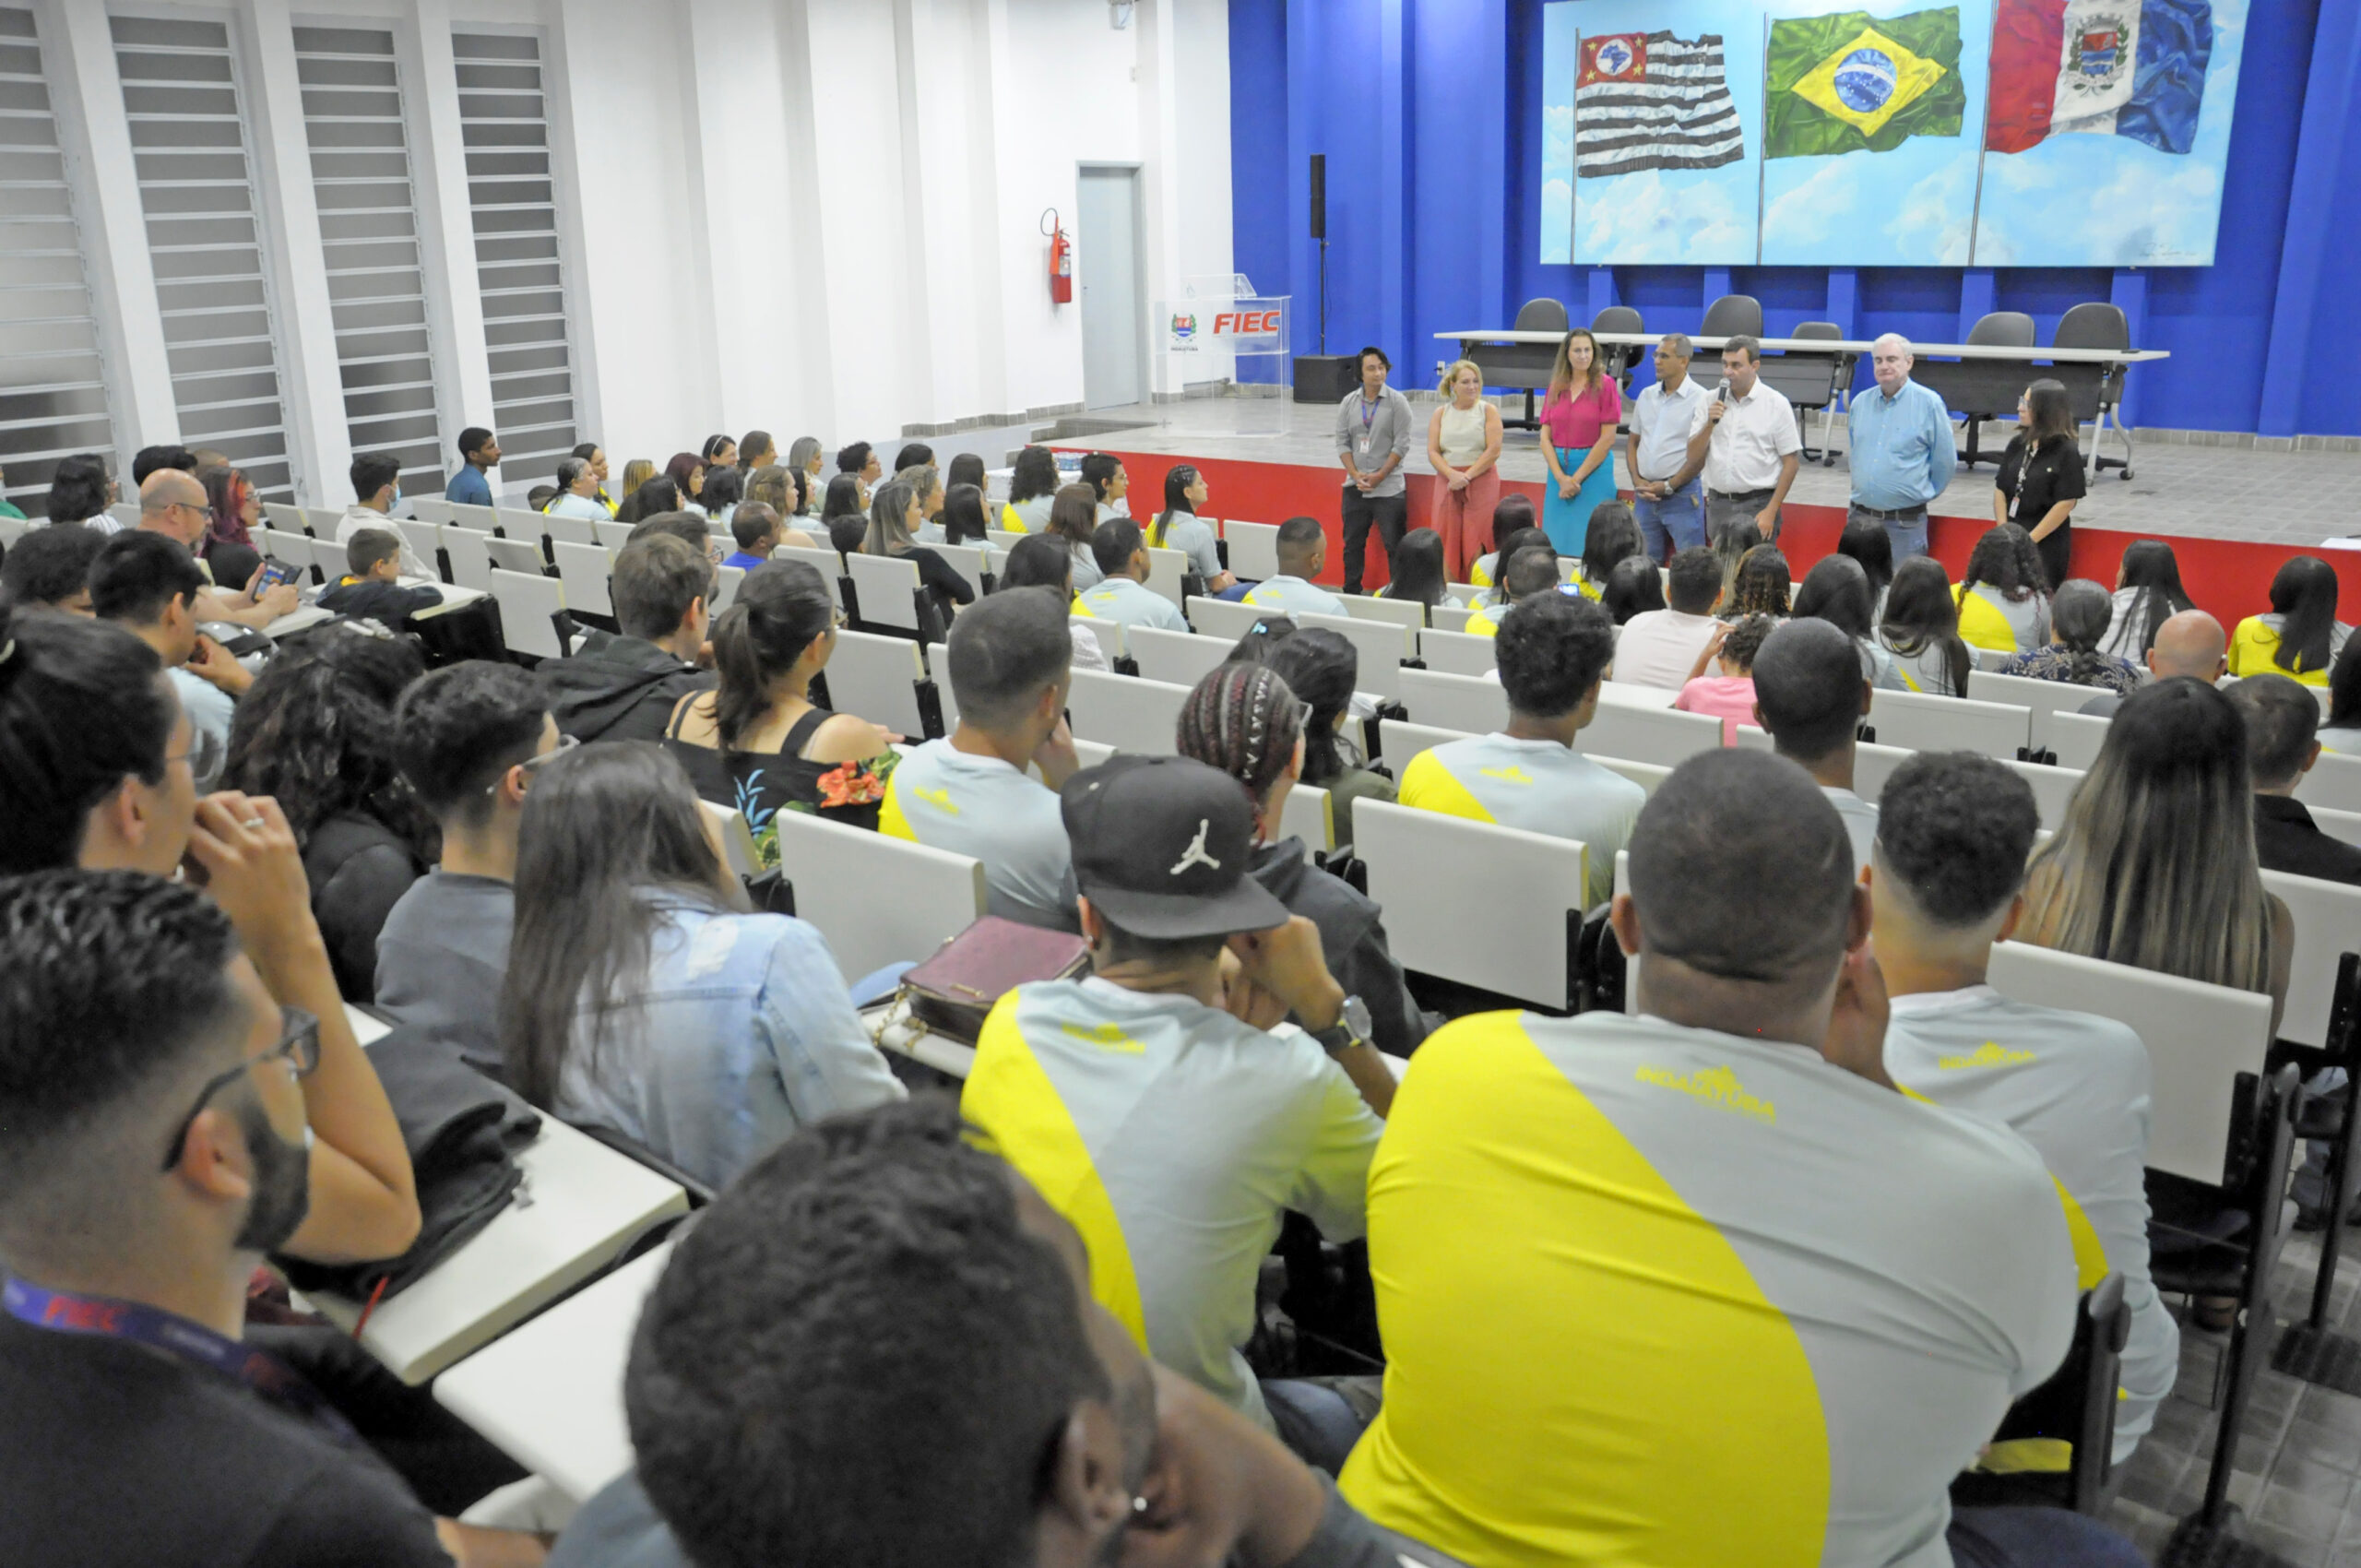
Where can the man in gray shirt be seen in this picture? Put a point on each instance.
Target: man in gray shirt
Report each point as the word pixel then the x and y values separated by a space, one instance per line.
pixel 1373 440
pixel 469 737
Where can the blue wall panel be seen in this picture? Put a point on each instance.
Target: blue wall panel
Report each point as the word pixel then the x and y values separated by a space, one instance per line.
pixel 1428 111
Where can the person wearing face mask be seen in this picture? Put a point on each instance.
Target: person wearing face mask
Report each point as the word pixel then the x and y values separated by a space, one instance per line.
pixel 377 490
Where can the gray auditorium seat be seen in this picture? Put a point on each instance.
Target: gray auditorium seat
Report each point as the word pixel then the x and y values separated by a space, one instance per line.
pixel 1731 314
pixel 1812 381
pixel 1524 366
pixel 1621 359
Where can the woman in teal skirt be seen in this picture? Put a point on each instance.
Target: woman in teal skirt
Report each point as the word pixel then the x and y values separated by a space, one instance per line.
pixel 1578 422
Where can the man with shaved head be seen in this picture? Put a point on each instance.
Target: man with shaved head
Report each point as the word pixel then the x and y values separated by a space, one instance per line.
pixel 2190 644
pixel 173 503
pixel 1697 1285
pixel 1899 441
pixel 1809 694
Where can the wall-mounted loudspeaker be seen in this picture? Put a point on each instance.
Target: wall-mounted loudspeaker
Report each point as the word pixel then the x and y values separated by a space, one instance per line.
pixel 1319 195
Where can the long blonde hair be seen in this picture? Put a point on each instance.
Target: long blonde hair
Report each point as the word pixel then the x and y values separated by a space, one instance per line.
pixel 1561 373
pixel 2154 864
pixel 636 473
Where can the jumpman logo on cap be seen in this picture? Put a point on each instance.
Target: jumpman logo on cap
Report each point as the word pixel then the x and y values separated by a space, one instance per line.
pixel 1196 855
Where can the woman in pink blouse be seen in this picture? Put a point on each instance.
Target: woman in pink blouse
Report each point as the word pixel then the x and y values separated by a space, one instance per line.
pixel 1578 422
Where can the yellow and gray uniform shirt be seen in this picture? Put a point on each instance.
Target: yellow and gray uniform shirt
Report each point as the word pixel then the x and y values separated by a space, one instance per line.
pixel 1539 785
pixel 1174 1138
pixel 980 806
pixel 1663 1296
pixel 1190 532
pixel 2075 1086
pixel 1131 605
pixel 1293 595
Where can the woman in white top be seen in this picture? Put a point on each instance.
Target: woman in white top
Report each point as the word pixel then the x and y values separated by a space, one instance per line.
pixel 1463 448
pixel 1178 526
pixel 1032 486
pixel 2147 593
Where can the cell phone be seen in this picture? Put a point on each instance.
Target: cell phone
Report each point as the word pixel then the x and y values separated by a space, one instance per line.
pixel 275 573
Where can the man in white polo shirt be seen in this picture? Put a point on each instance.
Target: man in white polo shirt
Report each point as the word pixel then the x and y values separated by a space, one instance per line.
pixel 1124 595
pixel 1744 441
pixel 1553 653
pixel 1010 663
pixel 1671 515
pixel 1953 832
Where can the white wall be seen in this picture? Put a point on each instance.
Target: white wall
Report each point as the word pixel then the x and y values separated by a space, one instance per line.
pixel 810 216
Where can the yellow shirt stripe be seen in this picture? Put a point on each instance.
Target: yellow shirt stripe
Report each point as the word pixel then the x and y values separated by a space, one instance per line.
pixel 1428 785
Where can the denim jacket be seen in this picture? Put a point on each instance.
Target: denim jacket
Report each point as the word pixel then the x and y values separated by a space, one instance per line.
pixel 742 1033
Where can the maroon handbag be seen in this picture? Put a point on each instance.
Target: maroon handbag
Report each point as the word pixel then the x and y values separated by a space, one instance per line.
pixel 952 992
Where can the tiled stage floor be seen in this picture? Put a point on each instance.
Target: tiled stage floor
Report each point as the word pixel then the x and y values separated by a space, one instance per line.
pixel 2286 498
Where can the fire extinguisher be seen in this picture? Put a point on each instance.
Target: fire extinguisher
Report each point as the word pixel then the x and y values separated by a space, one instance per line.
pixel 1061 259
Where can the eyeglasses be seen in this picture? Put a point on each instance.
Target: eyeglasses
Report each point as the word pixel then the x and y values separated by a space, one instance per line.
pixel 299 1046
pixel 535 763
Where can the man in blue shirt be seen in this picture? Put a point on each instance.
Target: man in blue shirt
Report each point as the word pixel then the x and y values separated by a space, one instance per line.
pixel 1902 449
pixel 479 449
pixel 1671 515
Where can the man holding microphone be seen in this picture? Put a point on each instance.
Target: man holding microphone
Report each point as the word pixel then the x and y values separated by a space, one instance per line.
pixel 1671 516
pixel 1744 441
pixel 1903 452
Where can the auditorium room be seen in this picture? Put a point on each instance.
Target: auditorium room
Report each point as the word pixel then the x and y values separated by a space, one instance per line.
pixel 1180 784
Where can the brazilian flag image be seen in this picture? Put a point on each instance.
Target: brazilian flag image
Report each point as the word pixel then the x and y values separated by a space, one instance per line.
pixel 1851 82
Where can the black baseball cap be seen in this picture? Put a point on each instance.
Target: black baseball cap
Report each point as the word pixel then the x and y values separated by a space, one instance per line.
pixel 1162 847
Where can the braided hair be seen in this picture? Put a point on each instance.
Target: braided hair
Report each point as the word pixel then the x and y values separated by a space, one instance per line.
pixel 1243 720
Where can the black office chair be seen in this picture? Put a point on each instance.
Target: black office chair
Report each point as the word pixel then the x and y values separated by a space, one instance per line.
pixel 1524 366
pixel 2097 390
pixel 1811 380
pixel 2311 1349
pixel 1732 314
pixel 1621 361
pixel 2195 1262
pixel 1998 329
pixel 2075 1407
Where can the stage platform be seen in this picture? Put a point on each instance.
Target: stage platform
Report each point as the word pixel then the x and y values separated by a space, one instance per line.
pixel 2233 514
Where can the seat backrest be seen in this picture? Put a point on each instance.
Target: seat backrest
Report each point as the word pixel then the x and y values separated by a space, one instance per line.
pixel 431 508
pixel 1382 647
pixel 520 522
pixel 1458 653
pixel 1817 330
pixel 1227 619
pixel 293 549
pixel 725 581
pixel 584 569
pixel 2053 789
pixel 1658 735
pixel 515 554
pixel 2200 1038
pixel 614 536
pixel 2334 782
pixel 2002 329
pixel 1920 722
pixel 480 519
pixel 322 520
pixel 1454 617
pixel 738 850
pixel 1401 739
pixel 2077 737
pixel 2344 826
pixel 1254 549
pixel 424 539
pixel 876 676
pixel 1544 315
pixel 1514 939
pixel 1454 702
pixel 1394 612
pixel 528 600
pixel 277 514
pixel 2093 324
pixel 1127 712
pixel 1615 318
pixel 1646 774
pixel 1309 815
pixel 1731 314
pixel 12 529
pixel 1109 635
pixel 1002 539
pixel 971 560
pixel 2043 699
pixel 878 900
pixel 888 587
pixel 470 554
pixel 574 531
pixel 1167 572
pixel 1177 658
pixel 827 562
pixel 329 557
pixel 2327 926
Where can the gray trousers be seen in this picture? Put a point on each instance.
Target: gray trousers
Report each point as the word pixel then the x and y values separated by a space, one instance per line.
pixel 1722 511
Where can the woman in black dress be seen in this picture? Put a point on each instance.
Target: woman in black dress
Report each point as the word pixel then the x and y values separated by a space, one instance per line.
pixel 2041 477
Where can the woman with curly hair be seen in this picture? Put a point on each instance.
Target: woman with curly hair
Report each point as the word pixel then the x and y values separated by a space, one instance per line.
pixel 2003 596
pixel 316 733
pixel 1759 585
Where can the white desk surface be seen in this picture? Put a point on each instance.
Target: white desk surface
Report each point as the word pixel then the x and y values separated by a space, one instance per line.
pixel 367 1028
pixel 550 1395
pixel 1835 346
pixel 1627 694
pixel 581 1205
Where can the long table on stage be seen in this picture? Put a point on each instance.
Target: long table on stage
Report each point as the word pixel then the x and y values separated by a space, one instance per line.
pixel 1814 372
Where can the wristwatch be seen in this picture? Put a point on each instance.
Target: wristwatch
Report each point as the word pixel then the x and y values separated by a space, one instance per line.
pixel 1351 1027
